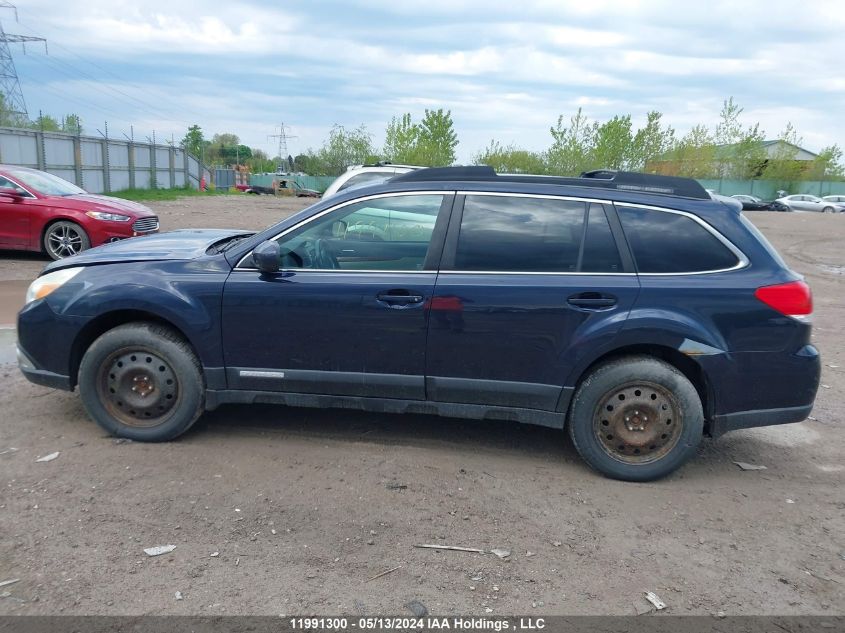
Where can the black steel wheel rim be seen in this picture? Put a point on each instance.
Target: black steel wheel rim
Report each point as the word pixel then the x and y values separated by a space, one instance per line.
pixel 138 387
pixel 638 423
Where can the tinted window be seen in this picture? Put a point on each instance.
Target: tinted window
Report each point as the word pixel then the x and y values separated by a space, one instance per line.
pixel 600 252
pixel 515 234
pixel 671 243
pixel 390 233
pixel 366 178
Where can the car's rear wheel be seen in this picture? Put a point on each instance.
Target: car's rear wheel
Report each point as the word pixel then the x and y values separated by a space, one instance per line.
pixel 829 210
pixel 636 418
pixel 64 238
pixel 142 381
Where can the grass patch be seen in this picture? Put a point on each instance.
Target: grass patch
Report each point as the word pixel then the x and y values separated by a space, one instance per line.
pixel 153 195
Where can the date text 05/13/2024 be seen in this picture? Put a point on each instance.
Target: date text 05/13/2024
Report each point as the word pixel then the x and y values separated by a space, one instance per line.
pixel 410 623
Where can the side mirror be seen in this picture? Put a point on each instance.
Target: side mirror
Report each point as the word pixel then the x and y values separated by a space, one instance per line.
pixel 14 194
pixel 266 256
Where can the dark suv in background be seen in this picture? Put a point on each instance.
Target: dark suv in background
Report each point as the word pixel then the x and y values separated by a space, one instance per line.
pixel 634 311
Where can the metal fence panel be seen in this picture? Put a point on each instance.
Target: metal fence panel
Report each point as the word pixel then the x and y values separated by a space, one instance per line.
pixel 67 174
pixel 58 151
pixel 18 149
pixel 142 157
pixel 93 180
pixel 100 164
pixel 142 180
pixel 92 154
pixel 118 155
pixel 767 189
pixel 119 179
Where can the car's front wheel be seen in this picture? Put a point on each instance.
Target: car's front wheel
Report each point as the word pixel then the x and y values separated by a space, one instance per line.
pixel 636 418
pixel 64 238
pixel 142 381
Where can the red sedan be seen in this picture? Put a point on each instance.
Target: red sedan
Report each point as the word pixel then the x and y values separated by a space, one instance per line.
pixel 42 212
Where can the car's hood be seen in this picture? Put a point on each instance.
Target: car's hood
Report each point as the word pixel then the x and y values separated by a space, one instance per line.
pixel 95 202
pixel 174 245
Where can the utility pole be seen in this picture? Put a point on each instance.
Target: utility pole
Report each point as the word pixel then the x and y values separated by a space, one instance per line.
pixel 10 86
pixel 283 138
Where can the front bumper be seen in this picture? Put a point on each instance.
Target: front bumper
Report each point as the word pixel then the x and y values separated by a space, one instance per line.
pixel 41 376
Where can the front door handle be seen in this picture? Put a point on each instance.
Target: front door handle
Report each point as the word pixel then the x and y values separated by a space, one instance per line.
pixel 592 301
pixel 399 297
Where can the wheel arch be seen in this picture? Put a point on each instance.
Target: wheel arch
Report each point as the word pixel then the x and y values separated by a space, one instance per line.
pixel 684 363
pixel 101 324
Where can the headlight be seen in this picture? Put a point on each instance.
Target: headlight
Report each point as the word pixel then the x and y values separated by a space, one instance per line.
pixel 43 286
pixel 110 217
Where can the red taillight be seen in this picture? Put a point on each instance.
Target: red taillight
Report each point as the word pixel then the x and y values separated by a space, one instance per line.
pixel 792 299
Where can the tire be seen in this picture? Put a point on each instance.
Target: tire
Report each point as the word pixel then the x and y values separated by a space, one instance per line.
pixel 63 239
pixel 659 402
pixel 828 210
pixel 142 381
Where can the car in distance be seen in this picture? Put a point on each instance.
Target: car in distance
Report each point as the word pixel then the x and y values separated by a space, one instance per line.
pixel 42 212
pixel 806 202
pixel 363 175
pixel 632 310
pixel 838 199
pixel 751 203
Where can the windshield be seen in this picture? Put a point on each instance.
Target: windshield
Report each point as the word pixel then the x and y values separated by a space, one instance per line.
pixel 45 183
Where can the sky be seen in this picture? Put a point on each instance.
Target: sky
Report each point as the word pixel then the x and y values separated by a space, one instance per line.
pixel 506 70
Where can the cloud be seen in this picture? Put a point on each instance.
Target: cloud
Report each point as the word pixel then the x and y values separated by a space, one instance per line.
pixel 506 70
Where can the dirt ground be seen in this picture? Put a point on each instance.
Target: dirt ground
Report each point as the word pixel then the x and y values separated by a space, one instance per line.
pixel 296 511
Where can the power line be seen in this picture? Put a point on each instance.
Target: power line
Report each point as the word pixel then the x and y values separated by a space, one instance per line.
pixel 10 85
pixel 136 100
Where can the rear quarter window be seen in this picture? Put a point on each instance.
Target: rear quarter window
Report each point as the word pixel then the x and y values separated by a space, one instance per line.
pixel 665 242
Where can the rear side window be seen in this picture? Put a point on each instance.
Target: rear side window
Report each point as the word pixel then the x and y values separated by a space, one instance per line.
pixel 663 242
pixel 520 234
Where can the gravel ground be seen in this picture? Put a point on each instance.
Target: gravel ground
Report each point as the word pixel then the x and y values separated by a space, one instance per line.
pixel 276 510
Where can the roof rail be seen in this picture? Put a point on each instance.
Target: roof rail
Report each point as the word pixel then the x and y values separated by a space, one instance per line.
pixel 601 178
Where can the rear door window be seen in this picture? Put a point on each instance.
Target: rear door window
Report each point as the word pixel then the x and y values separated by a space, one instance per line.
pixel 665 242
pixel 520 234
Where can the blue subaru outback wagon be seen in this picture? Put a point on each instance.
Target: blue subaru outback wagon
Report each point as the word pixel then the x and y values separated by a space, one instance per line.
pixel 635 311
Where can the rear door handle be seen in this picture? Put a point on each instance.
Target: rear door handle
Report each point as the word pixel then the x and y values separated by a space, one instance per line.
pixel 592 301
pixel 399 298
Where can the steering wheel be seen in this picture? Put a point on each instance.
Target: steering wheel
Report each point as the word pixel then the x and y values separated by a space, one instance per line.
pixel 316 254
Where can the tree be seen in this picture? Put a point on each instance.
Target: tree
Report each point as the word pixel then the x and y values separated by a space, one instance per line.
pixel 401 139
pixel 194 141
pixel 692 156
pixel 650 142
pixel 72 124
pixel 782 166
pixel 740 152
pixel 612 142
pixel 46 123
pixel 437 139
pixel 571 147
pixel 511 159
pixel 340 150
pixel 225 139
pixel 260 162
pixel 827 165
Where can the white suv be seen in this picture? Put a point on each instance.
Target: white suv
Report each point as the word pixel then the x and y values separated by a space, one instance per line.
pixel 362 175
